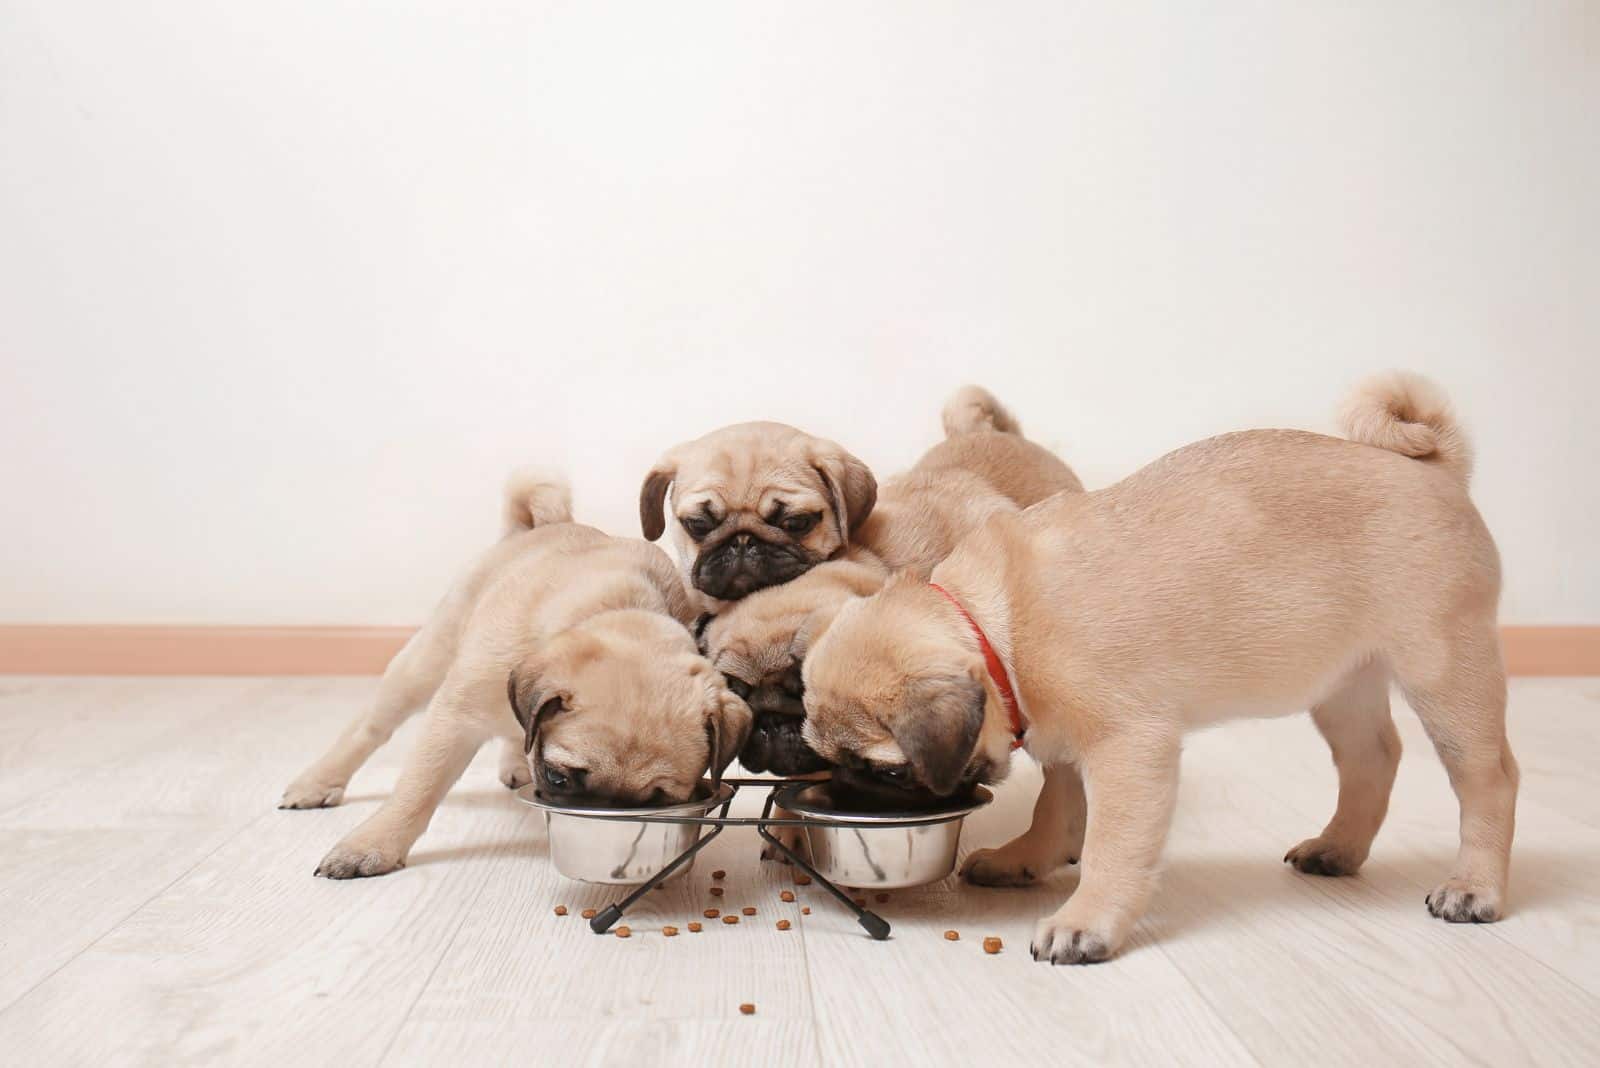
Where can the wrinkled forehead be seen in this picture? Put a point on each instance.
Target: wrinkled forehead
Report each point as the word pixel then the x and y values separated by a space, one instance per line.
pixel 762 647
pixel 748 481
pixel 836 731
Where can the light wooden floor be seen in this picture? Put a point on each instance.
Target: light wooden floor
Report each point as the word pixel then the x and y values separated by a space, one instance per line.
pixel 156 908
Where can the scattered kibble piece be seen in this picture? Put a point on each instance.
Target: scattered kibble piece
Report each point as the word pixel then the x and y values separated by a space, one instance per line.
pixel 661 886
pixel 587 914
pixel 711 914
pixel 859 900
pixel 695 927
pixel 719 874
pixel 802 880
pixel 783 925
pixel 561 910
pixel 748 1009
pixel 786 895
pixel 882 898
pixel 730 918
pixel 716 891
pixel 952 936
pixel 992 945
pixel 670 931
pixel 748 910
pixel 624 931
pixel 805 910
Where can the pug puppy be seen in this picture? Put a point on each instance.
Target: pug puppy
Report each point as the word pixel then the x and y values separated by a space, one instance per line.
pixel 569 645
pixel 983 468
pixel 1256 574
pixel 755 505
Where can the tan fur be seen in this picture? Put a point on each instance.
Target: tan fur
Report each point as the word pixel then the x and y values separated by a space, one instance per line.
pixel 1252 574
pixel 956 486
pixel 741 475
pixel 593 623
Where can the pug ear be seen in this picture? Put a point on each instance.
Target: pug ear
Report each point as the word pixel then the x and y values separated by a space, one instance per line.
pixel 851 487
pixel 531 705
pixel 727 729
pixel 653 497
pixel 938 731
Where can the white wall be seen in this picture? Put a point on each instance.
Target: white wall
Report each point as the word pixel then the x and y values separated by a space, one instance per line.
pixel 284 288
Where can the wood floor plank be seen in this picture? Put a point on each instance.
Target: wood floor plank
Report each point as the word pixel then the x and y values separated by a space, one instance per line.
pixel 158 909
pixel 1003 1009
pixel 752 1040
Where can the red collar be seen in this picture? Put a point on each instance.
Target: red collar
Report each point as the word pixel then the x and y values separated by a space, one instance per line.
pixel 997 670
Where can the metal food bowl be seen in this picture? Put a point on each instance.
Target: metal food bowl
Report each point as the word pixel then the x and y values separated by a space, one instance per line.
pixel 623 846
pixel 879 849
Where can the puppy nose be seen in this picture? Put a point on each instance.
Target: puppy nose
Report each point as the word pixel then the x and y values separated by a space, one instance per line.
pixel 742 542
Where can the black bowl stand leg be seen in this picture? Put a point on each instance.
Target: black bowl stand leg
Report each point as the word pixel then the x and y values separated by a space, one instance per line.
pixel 875 925
pixel 612 913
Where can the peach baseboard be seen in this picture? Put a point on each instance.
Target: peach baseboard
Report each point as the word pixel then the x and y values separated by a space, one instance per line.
pixel 163 650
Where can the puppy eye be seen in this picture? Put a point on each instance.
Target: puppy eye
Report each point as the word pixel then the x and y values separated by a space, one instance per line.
pixel 697 525
pixel 740 688
pixel 899 773
pixel 562 779
pixel 799 525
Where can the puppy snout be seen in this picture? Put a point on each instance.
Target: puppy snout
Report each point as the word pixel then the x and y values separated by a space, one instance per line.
pixel 776 745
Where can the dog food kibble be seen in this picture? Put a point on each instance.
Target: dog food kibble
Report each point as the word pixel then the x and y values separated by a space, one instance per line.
pixel 748 910
pixel 624 931
pixel 711 914
pixel 786 895
pixel 859 900
pixel 669 931
pixel 952 936
pixel 992 945
pixel 802 880
pixel 783 925
pixel 695 928
pixel 716 891
pixel 882 898
pixel 806 910
pixel 587 914
pixel 661 886
pixel 730 918
pixel 561 910
pixel 748 1009
pixel 719 874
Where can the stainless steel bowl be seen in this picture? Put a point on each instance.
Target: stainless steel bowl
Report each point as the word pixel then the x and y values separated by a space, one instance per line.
pixel 886 850
pixel 594 846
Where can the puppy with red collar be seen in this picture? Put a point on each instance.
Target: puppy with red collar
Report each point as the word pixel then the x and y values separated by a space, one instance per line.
pixel 1258 573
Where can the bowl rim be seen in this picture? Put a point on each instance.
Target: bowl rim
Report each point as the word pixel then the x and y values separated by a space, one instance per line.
pixel 789 797
pixel 720 794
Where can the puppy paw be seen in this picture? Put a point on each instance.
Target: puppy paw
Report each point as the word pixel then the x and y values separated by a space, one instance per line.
pixel 310 792
pixel 1324 856
pixel 1063 941
pixel 1460 901
pixel 997 867
pixel 515 776
pixel 793 837
pixel 354 859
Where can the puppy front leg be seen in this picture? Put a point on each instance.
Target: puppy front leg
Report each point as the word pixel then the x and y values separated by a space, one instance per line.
pixel 1054 838
pixel 1132 785
pixel 380 845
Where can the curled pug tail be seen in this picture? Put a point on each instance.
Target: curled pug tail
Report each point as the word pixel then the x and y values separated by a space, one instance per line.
pixel 1406 413
pixel 534 498
pixel 973 408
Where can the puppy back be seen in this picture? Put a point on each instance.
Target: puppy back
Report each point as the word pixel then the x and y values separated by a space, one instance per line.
pixel 1406 413
pixel 534 498
pixel 973 408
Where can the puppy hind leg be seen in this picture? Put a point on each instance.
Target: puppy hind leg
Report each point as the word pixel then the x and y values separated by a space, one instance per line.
pixel 1355 721
pixel 1462 706
pixel 409 680
pixel 1054 838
